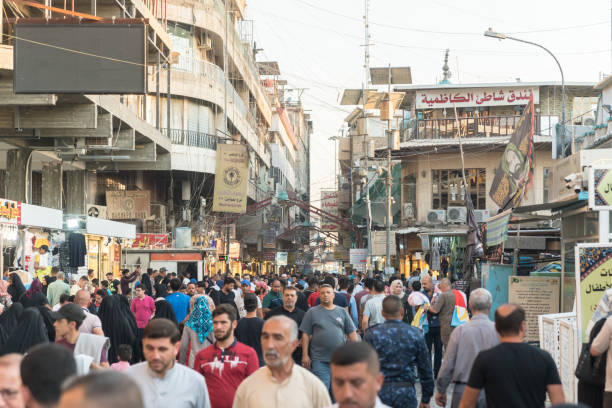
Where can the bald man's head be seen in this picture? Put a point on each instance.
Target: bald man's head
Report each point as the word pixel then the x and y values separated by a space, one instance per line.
pixel 427 283
pixel 82 298
pixel 445 285
pixel 510 320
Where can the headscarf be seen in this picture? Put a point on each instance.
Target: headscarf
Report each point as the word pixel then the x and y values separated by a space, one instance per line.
pixel 160 288
pixel 395 283
pixel 163 309
pixel 118 327
pixel 10 317
pixel 200 319
pixel 29 332
pixel 48 320
pixel 16 288
pixel 145 280
pixel 4 288
pixel 35 287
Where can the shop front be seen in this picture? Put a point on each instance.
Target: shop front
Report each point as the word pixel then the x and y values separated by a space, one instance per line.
pixel 104 241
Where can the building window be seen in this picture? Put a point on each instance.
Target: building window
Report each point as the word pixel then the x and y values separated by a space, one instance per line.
pixel 447 188
pixel 545 187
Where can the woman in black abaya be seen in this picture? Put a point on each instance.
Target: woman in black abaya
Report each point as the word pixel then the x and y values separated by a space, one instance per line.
pixel 30 332
pixel 34 297
pixel 163 309
pixel 15 288
pixel 10 317
pixel 119 327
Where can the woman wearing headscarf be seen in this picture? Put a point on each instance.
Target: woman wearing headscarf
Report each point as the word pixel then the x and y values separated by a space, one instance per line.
pixel 15 288
pixel 10 317
pixel 198 331
pixel 45 312
pixel 145 280
pixel 397 288
pixel 117 326
pixel 164 310
pixel 29 332
pixel 5 297
pixel 160 288
pixel 33 297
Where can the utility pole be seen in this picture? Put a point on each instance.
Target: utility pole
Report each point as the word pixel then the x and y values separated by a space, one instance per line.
pixel 389 178
pixel 366 70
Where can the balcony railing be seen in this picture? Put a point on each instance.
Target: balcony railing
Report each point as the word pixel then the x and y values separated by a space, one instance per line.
pixel 483 126
pixel 191 138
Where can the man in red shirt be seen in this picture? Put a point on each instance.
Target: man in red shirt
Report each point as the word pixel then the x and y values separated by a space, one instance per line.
pixel 143 307
pixel 226 363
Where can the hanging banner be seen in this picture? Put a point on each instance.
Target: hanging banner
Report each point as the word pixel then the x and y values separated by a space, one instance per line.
pixel 600 188
pixel 281 258
pixel 515 172
pixel 128 204
pixel 234 250
pixel 593 279
pixel 329 204
pixel 10 212
pixel 231 178
pixel 497 228
pixel 358 257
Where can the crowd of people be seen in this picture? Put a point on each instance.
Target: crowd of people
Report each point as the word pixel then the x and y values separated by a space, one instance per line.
pixel 159 339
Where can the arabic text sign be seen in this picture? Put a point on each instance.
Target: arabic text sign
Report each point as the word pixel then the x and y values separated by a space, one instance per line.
pixel 600 188
pixel 281 258
pixel 329 204
pixel 10 212
pixel 150 241
pixel 448 98
pixel 594 264
pixel 231 178
pixel 537 295
pixel 358 257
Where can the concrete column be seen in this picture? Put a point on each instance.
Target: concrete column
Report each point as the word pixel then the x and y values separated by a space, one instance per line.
pixel 16 163
pixel 76 192
pixel 52 187
pixel 3 180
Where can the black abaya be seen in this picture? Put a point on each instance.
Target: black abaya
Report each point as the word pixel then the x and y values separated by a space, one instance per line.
pixel 117 325
pixel 16 288
pixel 163 309
pixel 30 332
pixel 10 317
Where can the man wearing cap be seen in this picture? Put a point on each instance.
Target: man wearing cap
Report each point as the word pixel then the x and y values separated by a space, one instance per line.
pixel 94 348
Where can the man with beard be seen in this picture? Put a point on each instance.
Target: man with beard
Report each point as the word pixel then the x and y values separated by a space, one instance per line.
pixel 162 381
pixel 290 310
pixel 226 363
pixel 281 382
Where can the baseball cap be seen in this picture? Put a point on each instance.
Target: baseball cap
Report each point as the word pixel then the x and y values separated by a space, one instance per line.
pixel 163 269
pixel 69 311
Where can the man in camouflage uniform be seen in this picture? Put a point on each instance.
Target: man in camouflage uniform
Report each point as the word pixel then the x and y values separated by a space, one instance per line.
pixel 400 347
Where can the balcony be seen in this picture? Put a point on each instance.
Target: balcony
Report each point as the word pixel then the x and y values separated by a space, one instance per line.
pixel 191 138
pixel 484 126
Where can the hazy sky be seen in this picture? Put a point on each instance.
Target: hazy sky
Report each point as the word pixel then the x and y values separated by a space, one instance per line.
pixel 318 45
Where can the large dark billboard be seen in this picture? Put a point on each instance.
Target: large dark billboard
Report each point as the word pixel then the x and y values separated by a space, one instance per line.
pixel 80 58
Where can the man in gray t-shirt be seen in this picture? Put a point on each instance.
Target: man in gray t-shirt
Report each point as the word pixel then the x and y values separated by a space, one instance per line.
pixel 325 327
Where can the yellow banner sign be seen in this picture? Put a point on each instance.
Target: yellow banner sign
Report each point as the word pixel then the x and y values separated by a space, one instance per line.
pixel 231 178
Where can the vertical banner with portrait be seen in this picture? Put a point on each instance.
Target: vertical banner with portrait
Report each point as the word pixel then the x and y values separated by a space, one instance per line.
pixel 231 178
pixel 593 280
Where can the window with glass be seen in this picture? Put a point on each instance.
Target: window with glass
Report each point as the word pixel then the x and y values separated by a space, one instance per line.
pixel 448 191
pixel 546 180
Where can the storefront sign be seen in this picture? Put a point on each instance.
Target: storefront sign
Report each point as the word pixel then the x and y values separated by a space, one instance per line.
pixel 269 256
pixel 128 204
pixel 594 264
pixel 281 258
pixel 329 204
pixel 600 188
pixel 150 241
pixel 231 178
pixel 474 97
pixel 234 250
pixel 537 295
pixel 269 237
pixel 10 212
pixel 358 257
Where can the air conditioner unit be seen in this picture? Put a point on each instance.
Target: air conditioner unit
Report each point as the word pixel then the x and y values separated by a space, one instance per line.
pixel 481 216
pixel 205 41
pixel 588 120
pixel 456 215
pixel 408 211
pixel 96 211
pixel 436 216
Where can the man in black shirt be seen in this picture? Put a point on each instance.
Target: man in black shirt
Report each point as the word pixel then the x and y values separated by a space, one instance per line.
pixel 288 309
pixel 513 373
pixel 248 330
pixel 226 294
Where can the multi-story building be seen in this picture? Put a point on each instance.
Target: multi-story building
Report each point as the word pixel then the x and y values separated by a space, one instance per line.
pixel 204 88
pixel 429 193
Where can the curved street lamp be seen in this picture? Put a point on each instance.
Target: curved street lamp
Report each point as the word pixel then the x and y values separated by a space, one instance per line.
pixel 500 36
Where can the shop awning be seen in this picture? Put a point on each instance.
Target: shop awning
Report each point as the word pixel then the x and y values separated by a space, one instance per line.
pixel 43 217
pixel 497 228
pixel 108 228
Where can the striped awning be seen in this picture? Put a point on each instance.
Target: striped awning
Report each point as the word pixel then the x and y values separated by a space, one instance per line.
pixel 497 228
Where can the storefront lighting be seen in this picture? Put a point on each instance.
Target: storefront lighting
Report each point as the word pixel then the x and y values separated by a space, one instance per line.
pixel 72 223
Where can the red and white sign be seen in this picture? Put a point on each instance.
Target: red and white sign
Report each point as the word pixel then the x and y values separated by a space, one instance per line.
pixel 10 212
pixel 474 97
pixel 358 257
pixel 150 241
pixel 329 204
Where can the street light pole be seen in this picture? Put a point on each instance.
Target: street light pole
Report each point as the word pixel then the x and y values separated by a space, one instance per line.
pixel 500 36
pixel 389 179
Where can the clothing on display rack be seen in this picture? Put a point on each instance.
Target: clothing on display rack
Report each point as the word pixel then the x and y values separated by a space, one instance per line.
pixel 77 248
